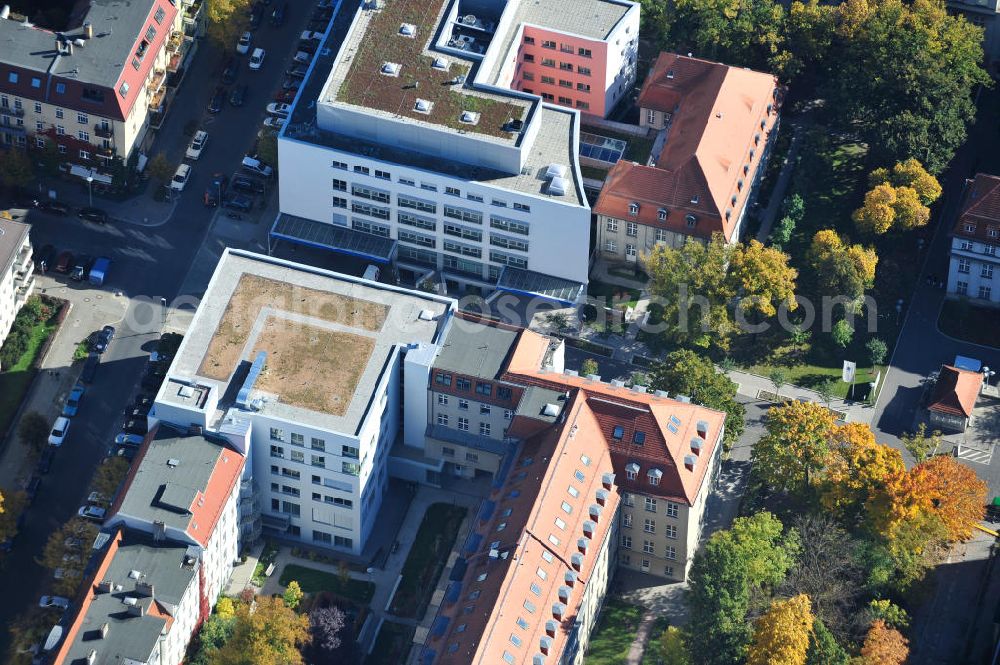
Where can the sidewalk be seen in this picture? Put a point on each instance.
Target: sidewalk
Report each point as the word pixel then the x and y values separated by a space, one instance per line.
pixel 778 193
pixel 140 210
pixel 638 647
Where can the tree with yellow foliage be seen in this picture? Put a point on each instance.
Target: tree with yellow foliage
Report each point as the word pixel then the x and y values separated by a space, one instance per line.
pixel 266 632
pixel 763 274
pixel 842 269
pixel 857 473
pixel 878 213
pixel 884 646
pixel 781 635
pixel 796 445
pixel 909 173
pixel 898 199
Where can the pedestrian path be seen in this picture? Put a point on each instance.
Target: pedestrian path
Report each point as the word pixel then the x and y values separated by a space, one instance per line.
pixel 638 647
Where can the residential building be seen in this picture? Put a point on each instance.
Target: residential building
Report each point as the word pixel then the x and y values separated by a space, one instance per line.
pixel 301 370
pixel 141 605
pixel 17 278
pixel 714 133
pixel 93 89
pixel 982 13
pixel 448 160
pixel 954 398
pixel 974 241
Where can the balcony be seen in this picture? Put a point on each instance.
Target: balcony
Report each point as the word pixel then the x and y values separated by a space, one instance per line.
pixel 6 110
pixel 24 290
pixel 104 132
pixel 157 80
pixel 156 100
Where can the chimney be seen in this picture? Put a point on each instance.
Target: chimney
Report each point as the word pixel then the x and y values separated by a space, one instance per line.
pixel 696 444
pixel 608 480
pixel 88 30
pixel 545 643
pixel 136 610
pixel 564 594
pixel 550 628
pixel 145 588
pixel 159 531
pixel 702 429
pixel 577 560
pixel 92 657
pixel 558 609
pixel 104 629
pixel 104 586
pixel 570 578
pixel 59 46
pixel 602 497
pixel 69 48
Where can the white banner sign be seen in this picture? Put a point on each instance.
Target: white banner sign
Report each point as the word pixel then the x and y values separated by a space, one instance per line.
pixel 848 373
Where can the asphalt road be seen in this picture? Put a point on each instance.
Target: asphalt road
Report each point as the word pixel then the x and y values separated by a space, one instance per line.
pixel 148 263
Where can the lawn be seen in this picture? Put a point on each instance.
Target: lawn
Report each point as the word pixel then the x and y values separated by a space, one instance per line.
pixel 612 294
pixel 15 380
pixel 427 559
pixel 653 655
pixel 313 581
pixel 963 321
pixel 391 645
pixel 614 634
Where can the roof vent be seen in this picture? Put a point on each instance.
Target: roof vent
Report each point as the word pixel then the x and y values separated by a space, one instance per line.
pixel 390 68
pixel 145 588
pixel 683 398
pixel 608 479
pixel 135 574
pixel 661 393
pixel 173 462
pixel 423 106
pixel 639 389
pixel 550 410
pixel 441 63
pixel 558 609
pixel 595 512
pixel 550 627
pixel 105 627
pixel 130 600
pixel 469 118
pixel 576 560
pixel 582 544
pixel 408 30
pixel 617 383
pixel 104 586
pixel 593 377
pixel 555 171
pixel 426 315
pixel 588 528
pixel 690 461
pixel 92 657
pixel 558 186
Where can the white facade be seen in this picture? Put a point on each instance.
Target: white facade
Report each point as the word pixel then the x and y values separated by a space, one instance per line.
pixel 974 270
pixel 17 279
pixel 420 209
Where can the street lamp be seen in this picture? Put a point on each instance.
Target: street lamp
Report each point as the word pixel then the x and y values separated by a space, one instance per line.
pixel 90 190
pixel 987 373
pixel 163 312
pixel 899 309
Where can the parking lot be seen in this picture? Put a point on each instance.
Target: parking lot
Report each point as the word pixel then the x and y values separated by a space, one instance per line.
pixel 149 261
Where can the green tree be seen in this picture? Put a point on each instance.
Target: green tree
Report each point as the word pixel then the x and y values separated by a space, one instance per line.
pixel 740 32
pixel 794 211
pixel 778 378
pixel 214 633
pixel 686 373
pixel 160 168
pixel 823 647
pixel 293 594
pixel 672 648
pixel 223 20
pixel 842 333
pixel 66 554
pixel 266 633
pixel 109 476
pixel 893 615
pixel 12 504
pixel 33 430
pixel 825 390
pixel 16 169
pixel 588 367
pixel 877 350
pixel 922 445
pixel 841 269
pixel 267 148
pixel 796 445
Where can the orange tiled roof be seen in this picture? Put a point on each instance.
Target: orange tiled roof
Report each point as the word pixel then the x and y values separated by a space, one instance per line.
pixel 721 118
pixel 981 210
pixel 956 391
pixel 207 507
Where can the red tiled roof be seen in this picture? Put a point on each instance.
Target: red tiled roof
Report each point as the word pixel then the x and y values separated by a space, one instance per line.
pixel 207 507
pixel 715 132
pixel 980 210
pixel 956 391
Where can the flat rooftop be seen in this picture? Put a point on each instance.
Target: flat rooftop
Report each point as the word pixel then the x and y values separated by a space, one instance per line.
pixel 476 348
pixel 132 635
pixel 12 235
pixel 378 38
pixel 327 337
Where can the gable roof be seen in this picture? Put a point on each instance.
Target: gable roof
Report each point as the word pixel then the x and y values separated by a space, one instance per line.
pixel 720 119
pixel 956 391
pixel 980 208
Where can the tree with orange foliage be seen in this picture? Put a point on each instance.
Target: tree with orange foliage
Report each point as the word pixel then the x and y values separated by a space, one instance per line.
pixel 884 646
pixel 858 472
pixel 781 635
pixel 950 490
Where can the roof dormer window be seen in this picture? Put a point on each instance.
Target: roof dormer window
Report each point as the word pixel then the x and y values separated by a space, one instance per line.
pixel 691 221
pixel 661 214
pixel 618 433
pixel 633 208
pixel 970 228
pixel 654 476
pixel 694 199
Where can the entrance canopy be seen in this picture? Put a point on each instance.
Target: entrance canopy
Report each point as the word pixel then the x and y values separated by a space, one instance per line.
pixel 531 283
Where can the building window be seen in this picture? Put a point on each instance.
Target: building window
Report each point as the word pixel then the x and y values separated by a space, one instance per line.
pixel 447 452
pixel 584 52
pixel 649 526
pixel 277 451
pixel 987 271
pixel 339 202
pixel 442 378
pixel 318 460
pixel 583 105
pixel 484 409
pixel 484 429
pixel 12 77
pixel 583 87
pixel 442 399
pixel 671 509
pixel 350 468
pixel 609 246
pixel 298 439
pixel 647 548
pixel 565 100
pixel 671 531
pixel 82 119
pixel 484 388
pixel 650 504
pixel 671 553
pixel 632 229
pixel 612 224
pixel 463 404
pixel 961 288
pixel 508 414
pixel 529 40
pixel 83 136
pixel 627 520
pixel 654 478
pixel 691 221
pixel 382 175
pixel 318 444
pixel 60 130
pixel 38 107
pixel 529 57
pixel 629 475
pixel 277 434
pixel 39 142
pixel 630 251
pixel 985 292
pixel 583 70
pixel 668 571
pixel 363 170
pixel 547 43
pixel 322 537
pixel 39 126
pixel 528 76
pixel 963 266
pixel 298 456
pixel 463 424
pixel 442 419
pixel 463 384
pixel 341 541
pixel 61 149
pixel 290 508
pixel 84 154
pixel 471 457
pixel 626 542
pixel 548 62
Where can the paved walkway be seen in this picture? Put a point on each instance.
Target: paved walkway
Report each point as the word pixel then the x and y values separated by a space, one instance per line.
pixel 638 647
pixel 778 194
pixel 140 210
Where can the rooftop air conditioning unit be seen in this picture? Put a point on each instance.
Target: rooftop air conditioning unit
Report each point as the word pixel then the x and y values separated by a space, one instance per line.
pixel 555 171
pixel 408 30
pixel 390 68
pixel 557 187
pixel 423 106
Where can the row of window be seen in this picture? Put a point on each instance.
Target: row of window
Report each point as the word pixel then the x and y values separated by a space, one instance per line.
pixel 649 525
pixel 551 80
pixel 463 424
pixel 482 387
pixel 990 250
pixel 644 564
pixel 81 118
pixel 991 231
pixel 565 101
pixel 450 452
pixel 565 48
pixel 463 404
pixel 985 292
pixel 985 271
pixel 648 547
pixel 651 504
pixel 430 187
pixel 328 539
pixel 296 439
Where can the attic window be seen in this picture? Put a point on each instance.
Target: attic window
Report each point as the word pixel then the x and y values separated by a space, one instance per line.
pixel 694 199
pixel 756 138
pixel 423 106
pixel 390 68
pixel 633 208
pixel 739 184
pixel 763 124
pixel 670 74
pixel 618 433
pixel 729 213
pixel 661 214
pixel 123 90
pixel 469 118
pixel 746 167
pixel 639 438
pixel 408 30
pixel 691 220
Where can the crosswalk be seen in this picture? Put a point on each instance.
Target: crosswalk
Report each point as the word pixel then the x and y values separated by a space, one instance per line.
pixel 975 454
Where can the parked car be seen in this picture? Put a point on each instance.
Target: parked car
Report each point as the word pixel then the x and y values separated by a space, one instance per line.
pixel 45 461
pixel 44 257
pixel 180 178
pixel 218 99
pixel 239 95
pixel 54 207
pixel 138 426
pixel 302 57
pixel 256 15
pixel 95 215
pixel 73 401
pixel 257 59
pixel 81 264
pixel 297 71
pixel 32 488
pixel 278 109
pixel 99 271
pixel 92 513
pixel 197 145
pixel 215 190
pixel 309 46
pixel 230 71
pixel 97 499
pixel 129 439
pixel 239 202
pixel 309 34
pixel 243 183
pixel 90 367
pixel 256 166
pixel 322 14
pixel 104 338
pixel 275 123
pixel 57 602
pixel 291 83
pixel 243 45
pixel 128 452
pixel 142 403
pixel 59 430
pixel 279 14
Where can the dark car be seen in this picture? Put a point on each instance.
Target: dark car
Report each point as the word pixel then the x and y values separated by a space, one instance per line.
pixel 44 257
pixel 239 202
pixel 65 261
pixel 141 406
pixel 95 215
pixel 215 190
pixel 239 96
pixel 152 379
pixel 136 426
pixel 298 71
pixel 45 460
pixel 128 452
pixel 248 185
pixel 307 45
pixel 90 367
pixel 285 96
pixel 31 491
pixel 218 99
pixel 54 207
pixel 256 15
pixel 81 266
pixel 279 14
pixel 291 84
pixel 230 71
pixel 103 340
pixel 322 14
